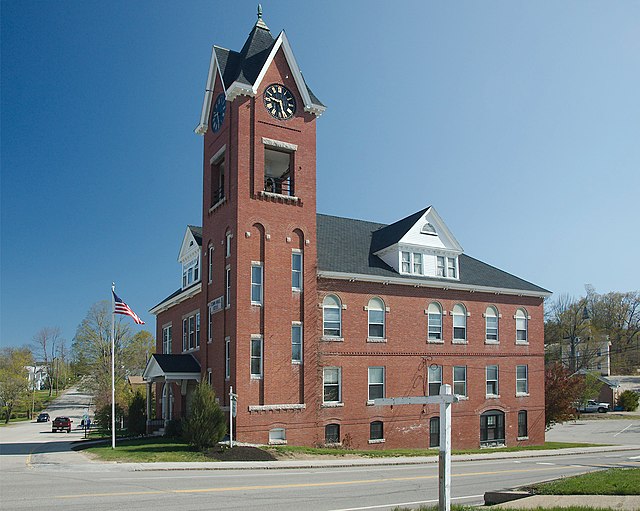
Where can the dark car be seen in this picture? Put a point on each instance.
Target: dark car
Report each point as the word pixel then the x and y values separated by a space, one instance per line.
pixel 43 417
pixel 61 424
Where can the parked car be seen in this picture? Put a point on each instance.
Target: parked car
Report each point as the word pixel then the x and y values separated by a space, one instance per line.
pixel 43 417
pixel 594 406
pixel 61 424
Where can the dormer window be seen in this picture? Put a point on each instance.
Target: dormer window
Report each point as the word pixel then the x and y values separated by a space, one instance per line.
pixel 427 228
pixel 452 267
pixel 191 272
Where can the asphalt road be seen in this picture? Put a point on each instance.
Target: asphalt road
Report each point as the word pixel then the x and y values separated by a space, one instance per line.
pixel 39 472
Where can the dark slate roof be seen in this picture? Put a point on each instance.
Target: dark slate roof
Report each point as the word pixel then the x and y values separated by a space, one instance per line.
pixel 177 363
pixel 245 66
pixel 347 246
pixel 197 233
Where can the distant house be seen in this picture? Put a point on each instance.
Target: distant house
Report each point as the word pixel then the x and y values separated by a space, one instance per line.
pixel 37 376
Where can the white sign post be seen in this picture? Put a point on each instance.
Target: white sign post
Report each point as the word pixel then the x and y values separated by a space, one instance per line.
pixel 233 398
pixel 444 400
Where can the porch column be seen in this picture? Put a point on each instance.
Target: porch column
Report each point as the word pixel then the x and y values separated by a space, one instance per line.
pixel 149 401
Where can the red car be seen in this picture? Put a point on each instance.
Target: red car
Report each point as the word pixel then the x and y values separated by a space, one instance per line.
pixel 61 424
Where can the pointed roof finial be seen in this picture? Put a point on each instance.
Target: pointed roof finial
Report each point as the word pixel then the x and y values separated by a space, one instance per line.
pixel 259 11
pixel 260 23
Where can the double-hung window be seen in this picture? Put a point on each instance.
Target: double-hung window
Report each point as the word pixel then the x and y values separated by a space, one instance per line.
pixel 331 316
pixel 417 264
pixel 210 276
pixel 521 326
pixel 452 268
pixel 227 357
pixel 331 385
pixel 522 379
pixel 256 283
pixel 434 432
pixel 376 431
pixel 440 266
pixel 376 383
pixel 296 270
pixel 459 323
pixel 376 312
pixel 460 380
pixel 296 342
pixel 197 345
pixel 435 380
pixel 209 324
pixel 185 329
pixel 166 339
pixel 492 380
pixel 491 324
pixel 192 332
pixel 405 260
pixel 434 315
pixel 256 356
pixel 227 296
pixel 522 424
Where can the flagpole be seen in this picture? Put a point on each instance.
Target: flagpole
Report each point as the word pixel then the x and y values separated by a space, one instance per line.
pixel 113 368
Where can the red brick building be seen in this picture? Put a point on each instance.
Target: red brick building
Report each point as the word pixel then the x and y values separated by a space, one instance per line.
pixel 310 317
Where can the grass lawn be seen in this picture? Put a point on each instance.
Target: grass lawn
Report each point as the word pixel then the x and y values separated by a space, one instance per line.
pixel 615 481
pixel 419 452
pixel 148 450
pixel 158 449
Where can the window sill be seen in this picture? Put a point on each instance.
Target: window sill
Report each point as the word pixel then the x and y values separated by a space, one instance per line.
pixel 227 307
pixel 332 405
pixel 277 442
pixel 487 341
pixel 462 398
pixel 522 343
pixel 375 339
pixel 435 341
pixel 209 341
pixel 522 438
pixel 279 196
pixel 332 339
pixel 256 377
pixel 256 304
pixel 217 204
pixel 522 394
pixel 333 444
pixel 493 396
pixel 378 441
pixel 460 341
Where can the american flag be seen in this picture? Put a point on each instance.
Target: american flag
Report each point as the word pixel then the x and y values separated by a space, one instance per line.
pixel 123 308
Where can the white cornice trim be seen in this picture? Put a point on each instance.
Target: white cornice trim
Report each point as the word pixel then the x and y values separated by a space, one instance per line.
pixel 214 69
pixel 279 144
pixel 430 284
pixel 186 294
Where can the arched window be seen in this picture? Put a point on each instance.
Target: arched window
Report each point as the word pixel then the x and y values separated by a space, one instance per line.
pixel 376 312
pixel 521 326
pixel 332 434
pixel 434 321
pixel 331 316
pixel 459 323
pixel 491 324
pixel 492 428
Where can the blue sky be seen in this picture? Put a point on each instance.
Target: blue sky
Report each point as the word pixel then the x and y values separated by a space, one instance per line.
pixel 518 121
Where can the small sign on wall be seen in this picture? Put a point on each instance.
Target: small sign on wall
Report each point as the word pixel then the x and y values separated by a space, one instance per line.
pixel 216 305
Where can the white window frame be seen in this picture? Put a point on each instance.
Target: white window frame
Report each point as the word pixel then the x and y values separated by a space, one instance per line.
pixel 376 440
pixel 197 339
pixel 489 313
pixel 227 249
pixel 256 340
pixel 332 369
pixel 522 320
pixel 259 286
pixel 492 380
pixel 459 314
pixel 185 333
pixel 441 267
pixel 431 324
pixel 452 267
pixel 376 305
pixel 296 326
pixel 375 384
pixel 522 381
pixel 459 381
pixel 227 357
pixel 191 271
pixel 405 262
pixel 277 436
pixel 210 277
pixel 434 376
pixel 166 338
pixel 209 325
pixel 331 302
pixel 227 291
pixel 296 254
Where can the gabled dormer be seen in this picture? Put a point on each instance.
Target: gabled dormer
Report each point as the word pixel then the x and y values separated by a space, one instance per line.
pixel 242 73
pixel 190 256
pixel 420 245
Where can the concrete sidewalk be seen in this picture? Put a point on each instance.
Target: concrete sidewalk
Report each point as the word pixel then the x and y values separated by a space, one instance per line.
pixel 623 502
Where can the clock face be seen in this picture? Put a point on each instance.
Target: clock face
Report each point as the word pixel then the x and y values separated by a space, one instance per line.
pixel 217 116
pixel 279 101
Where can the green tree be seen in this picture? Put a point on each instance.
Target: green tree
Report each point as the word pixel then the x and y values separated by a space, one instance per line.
pixel 561 392
pixel 14 377
pixel 206 424
pixel 137 351
pixel 137 420
pixel 629 400
pixel 45 342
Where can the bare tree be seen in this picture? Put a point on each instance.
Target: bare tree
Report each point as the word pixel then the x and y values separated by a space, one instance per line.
pixel 44 345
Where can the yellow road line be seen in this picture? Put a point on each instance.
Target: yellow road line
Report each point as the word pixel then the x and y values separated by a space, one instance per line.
pixel 297 485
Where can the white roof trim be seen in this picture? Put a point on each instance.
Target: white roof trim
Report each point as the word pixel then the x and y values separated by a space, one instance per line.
pixel 445 284
pixel 187 293
pixel 186 249
pixel 214 69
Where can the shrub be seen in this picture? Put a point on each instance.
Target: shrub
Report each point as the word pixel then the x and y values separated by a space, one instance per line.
pixel 173 429
pixel 206 424
pixel 628 400
pixel 103 418
pixel 137 415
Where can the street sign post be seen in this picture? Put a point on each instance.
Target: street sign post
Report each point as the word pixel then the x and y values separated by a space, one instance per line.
pixel 444 462
pixel 233 399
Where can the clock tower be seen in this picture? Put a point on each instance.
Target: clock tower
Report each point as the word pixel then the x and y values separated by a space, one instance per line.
pixel 259 258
